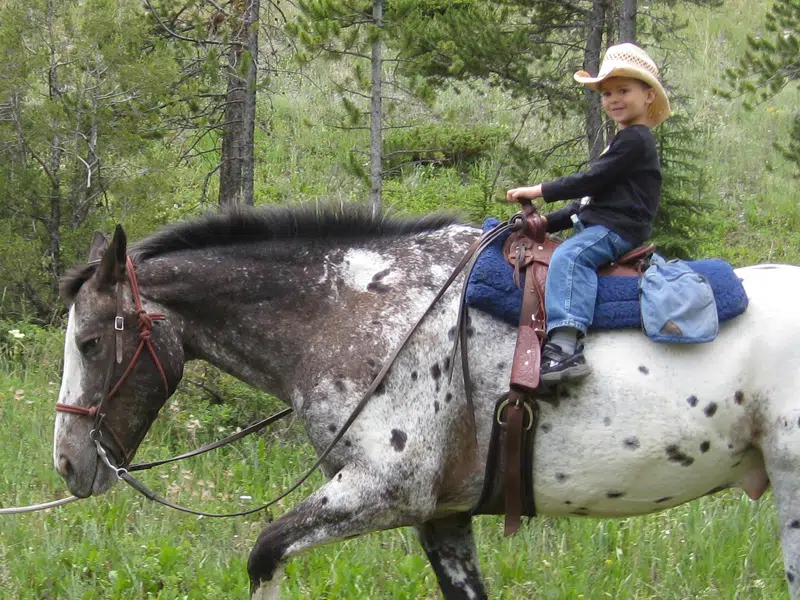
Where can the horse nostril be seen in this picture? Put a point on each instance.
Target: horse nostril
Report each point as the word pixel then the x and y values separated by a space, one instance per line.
pixel 64 466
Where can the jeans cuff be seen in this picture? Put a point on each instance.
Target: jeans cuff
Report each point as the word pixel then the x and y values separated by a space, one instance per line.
pixel 567 323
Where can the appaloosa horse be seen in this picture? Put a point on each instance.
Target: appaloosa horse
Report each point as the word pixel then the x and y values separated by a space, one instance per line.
pixel 308 303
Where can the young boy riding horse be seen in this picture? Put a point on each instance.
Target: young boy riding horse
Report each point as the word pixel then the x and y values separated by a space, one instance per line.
pixel 620 193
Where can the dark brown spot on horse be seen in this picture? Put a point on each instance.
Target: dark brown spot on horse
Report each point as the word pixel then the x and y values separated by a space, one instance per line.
pixel 632 443
pixel 436 371
pixel 398 440
pixel 674 454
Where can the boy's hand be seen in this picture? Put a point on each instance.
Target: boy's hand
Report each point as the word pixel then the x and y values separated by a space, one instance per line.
pixel 524 193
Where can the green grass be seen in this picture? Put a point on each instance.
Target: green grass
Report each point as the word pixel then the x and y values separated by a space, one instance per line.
pixel 121 546
pixel 756 198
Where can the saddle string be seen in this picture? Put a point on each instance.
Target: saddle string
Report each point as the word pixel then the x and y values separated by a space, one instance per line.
pixel 125 475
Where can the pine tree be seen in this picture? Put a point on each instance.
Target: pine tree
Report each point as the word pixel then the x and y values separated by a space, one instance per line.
pixel 78 102
pixel 360 33
pixel 771 64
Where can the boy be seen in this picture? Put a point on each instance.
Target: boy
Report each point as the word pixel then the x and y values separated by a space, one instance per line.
pixel 622 189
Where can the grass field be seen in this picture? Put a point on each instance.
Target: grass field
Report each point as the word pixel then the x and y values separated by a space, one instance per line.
pixel 121 546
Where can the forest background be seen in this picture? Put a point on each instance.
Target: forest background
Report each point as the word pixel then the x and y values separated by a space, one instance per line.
pixel 147 112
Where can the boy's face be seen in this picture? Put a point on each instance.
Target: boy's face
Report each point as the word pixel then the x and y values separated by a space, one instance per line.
pixel 626 100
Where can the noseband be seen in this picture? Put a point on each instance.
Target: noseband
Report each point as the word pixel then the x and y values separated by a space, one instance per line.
pixel 145 325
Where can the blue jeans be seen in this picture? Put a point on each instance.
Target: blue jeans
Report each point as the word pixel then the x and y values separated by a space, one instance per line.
pixel 571 290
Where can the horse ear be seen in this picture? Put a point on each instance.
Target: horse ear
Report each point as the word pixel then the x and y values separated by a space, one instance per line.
pixel 98 247
pixel 112 265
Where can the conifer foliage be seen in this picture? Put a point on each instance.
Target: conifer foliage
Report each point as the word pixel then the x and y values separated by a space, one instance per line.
pixel 770 65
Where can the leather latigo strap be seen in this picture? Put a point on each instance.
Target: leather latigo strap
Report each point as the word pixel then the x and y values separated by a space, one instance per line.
pixel 530 250
pixel 512 485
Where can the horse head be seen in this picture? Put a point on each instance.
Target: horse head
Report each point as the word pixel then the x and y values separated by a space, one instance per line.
pixel 121 363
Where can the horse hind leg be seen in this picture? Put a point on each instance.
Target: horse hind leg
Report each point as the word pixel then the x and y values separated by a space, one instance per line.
pixel 781 452
pixel 450 547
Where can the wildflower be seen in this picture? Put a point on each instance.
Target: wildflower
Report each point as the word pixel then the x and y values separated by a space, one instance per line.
pixel 16 333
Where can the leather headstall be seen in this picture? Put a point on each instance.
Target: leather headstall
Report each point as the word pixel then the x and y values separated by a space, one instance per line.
pixel 145 325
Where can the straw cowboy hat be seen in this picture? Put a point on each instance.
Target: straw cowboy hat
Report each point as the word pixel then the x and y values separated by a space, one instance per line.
pixel 628 60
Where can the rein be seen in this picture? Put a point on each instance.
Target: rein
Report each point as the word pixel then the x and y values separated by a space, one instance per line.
pixel 145 336
pixel 258 426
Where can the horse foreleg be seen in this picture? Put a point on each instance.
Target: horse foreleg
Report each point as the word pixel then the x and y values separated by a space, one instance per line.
pixel 450 547
pixel 350 504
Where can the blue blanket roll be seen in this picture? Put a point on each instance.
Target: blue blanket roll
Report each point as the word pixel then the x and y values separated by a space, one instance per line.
pixel 491 289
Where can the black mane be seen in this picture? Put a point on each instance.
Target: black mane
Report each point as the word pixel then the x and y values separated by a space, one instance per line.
pixel 246 225
pixel 299 222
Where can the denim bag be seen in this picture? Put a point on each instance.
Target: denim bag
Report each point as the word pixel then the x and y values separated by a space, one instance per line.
pixel 677 303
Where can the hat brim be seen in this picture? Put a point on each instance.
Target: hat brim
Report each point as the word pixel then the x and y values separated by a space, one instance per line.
pixel 659 109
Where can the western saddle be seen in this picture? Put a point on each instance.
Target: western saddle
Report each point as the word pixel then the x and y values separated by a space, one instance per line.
pixel 528 250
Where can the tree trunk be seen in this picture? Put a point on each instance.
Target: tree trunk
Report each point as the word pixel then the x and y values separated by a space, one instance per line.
pixel 53 220
pixel 376 115
pixel 627 21
pixel 612 18
pixel 237 163
pixel 611 21
pixel 86 185
pixel 591 62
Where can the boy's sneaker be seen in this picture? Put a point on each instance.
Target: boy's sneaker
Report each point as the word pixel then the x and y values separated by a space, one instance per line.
pixel 558 367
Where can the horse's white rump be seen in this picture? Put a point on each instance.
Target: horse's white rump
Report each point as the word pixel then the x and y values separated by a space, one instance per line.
pixel 657 425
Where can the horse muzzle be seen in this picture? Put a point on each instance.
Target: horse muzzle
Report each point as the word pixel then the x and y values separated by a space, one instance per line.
pixel 82 469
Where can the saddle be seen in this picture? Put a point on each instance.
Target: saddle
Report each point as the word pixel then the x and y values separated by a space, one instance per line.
pixel 529 251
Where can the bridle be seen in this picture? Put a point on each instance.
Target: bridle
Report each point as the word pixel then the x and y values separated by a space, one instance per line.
pixel 145 325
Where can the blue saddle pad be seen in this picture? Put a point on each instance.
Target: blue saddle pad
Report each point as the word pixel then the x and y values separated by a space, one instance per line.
pixel 491 289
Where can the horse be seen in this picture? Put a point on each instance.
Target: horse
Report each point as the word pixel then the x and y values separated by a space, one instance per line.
pixel 308 302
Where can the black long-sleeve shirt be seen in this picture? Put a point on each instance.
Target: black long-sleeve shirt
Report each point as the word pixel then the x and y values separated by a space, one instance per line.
pixel 624 183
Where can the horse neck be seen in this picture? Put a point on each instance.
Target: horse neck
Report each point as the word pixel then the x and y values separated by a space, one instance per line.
pixel 274 314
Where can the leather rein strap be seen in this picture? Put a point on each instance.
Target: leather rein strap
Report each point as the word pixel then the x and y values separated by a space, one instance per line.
pixel 123 473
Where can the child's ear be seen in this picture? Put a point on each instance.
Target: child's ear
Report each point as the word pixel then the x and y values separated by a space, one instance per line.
pixel 651 95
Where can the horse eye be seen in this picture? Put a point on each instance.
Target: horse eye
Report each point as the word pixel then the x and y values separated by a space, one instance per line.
pixel 89 345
